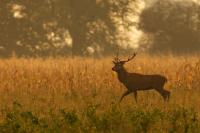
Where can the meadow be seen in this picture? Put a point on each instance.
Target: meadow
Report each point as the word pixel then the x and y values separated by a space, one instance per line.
pixel 80 95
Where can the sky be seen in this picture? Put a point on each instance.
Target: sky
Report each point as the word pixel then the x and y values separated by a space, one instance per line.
pixel 135 34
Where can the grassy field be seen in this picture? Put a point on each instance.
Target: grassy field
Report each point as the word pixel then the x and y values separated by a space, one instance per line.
pixel 81 95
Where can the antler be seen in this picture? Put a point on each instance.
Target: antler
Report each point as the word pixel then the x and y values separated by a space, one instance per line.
pixel 116 58
pixel 131 57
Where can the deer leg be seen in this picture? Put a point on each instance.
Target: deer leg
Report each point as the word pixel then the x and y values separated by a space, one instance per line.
pixel 164 93
pixel 135 95
pixel 125 94
pixel 168 94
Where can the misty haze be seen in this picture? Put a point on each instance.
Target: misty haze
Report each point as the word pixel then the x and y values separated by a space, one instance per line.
pixel 99 66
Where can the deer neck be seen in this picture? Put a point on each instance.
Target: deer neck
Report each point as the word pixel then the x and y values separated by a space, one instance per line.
pixel 122 74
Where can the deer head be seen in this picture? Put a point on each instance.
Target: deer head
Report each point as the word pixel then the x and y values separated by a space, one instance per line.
pixel 118 64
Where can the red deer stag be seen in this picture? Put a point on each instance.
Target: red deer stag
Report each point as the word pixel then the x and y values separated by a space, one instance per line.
pixel 137 82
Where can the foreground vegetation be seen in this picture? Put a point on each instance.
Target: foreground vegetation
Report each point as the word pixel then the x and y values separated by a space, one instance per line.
pixel 81 95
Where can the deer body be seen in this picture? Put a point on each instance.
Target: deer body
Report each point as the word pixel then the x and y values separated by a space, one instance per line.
pixel 137 82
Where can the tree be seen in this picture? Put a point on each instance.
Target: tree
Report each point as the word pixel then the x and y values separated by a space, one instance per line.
pixel 19 32
pixel 36 27
pixel 92 22
pixel 172 25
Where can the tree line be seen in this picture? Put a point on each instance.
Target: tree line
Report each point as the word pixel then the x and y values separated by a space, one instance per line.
pixel 72 27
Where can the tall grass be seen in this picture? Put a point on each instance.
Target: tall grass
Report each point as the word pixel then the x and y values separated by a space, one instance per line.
pixel 81 95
